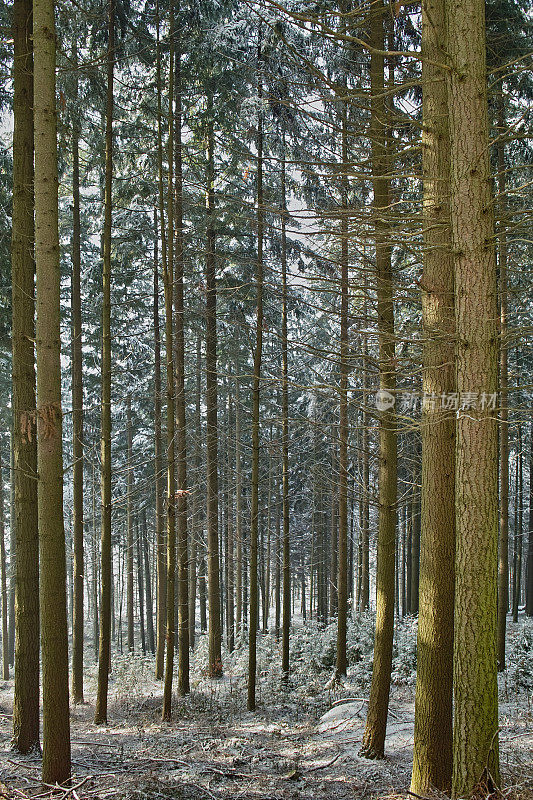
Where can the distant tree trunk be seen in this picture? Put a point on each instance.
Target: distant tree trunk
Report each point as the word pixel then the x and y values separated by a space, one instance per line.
pixel 12 549
pixel 5 642
pixel 104 650
pixel 231 564
pixel 77 416
pixel 140 582
pixel 475 744
pixel 365 500
pixel 158 468
pixel 181 439
pixel 254 505
pixel 168 276
pixel 197 533
pixel 376 723
pixel 213 563
pixel 277 571
pixel 415 549
pixel 334 532
pixel 432 759
pixel 26 697
pixel 503 550
pixel 95 555
pixel 148 585
pixel 129 527
pixel 518 531
pixel 238 504
pixel 529 571
pixel 286 620
pixel 52 577
pixel 342 557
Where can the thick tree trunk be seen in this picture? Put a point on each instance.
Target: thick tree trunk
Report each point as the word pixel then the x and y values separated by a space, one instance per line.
pixel 53 600
pixel 376 724
pixel 26 698
pixel 475 744
pixel 432 759
pixel 104 649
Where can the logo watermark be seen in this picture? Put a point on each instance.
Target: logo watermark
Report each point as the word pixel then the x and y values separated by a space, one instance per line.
pixel 429 401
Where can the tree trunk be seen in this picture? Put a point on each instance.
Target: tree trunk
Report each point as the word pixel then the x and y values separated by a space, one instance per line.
pixel 26 697
pixel 342 556
pixel 238 503
pixel 5 642
pixel 158 468
pixel 181 439
pixel 231 561
pixel 475 741
pixel 517 583
pixel 376 724
pixel 53 600
pixel 77 417
pixel 129 527
pixel 168 277
pixel 529 566
pixel 213 562
pixel 415 547
pixel 254 505
pixel 432 758
pixel 148 585
pixel 104 649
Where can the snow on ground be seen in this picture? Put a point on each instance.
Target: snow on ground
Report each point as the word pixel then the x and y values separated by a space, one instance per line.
pixel 302 743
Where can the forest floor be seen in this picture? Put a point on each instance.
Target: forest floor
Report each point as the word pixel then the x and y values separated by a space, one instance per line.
pixel 302 743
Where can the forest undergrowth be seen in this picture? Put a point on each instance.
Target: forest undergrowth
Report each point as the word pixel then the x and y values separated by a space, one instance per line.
pixel 302 742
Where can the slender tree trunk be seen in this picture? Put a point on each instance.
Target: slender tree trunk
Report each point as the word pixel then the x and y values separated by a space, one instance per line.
pixel 432 758
pixel 376 724
pixel 77 417
pixel 286 602
pixel 104 649
pixel 168 276
pixel 148 585
pixel 365 512
pixel 415 548
pixel 181 439
pixel 197 533
pixel 158 468
pixel 53 600
pixel 254 505
pixel 5 642
pixel 95 556
pixel 529 564
pixel 129 527
pixel 342 557
pixel 213 562
pixel 475 742
pixel 140 582
pixel 26 698
pixel 231 560
pixel 238 504
pixel 518 531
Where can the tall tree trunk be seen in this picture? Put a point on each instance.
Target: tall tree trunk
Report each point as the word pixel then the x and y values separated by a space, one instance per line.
pixel 197 532
pixel 415 547
pixel 168 277
pixel 26 698
pixel 95 555
pixel 376 723
pixel 529 565
pixel 140 582
pixel 229 516
pixel 3 568
pixel 52 577
pixel 158 468
pixel 432 758
pixel 148 585
pixel 238 503
pixel 475 741
pixel 129 528
pixel 365 500
pixel 254 505
pixel 12 542
pixel 517 583
pixel 213 562
pixel 342 556
pixel 77 416
pixel 181 438
pixel 286 602
pixel 104 649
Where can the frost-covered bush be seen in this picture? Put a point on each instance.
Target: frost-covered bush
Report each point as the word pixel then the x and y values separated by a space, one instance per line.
pixel 404 652
pixel 520 672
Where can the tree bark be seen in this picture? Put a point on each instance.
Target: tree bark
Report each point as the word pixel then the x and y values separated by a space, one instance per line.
pixel 432 758
pixel 376 723
pixel 129 528
pixel 475 740
pixel 158 466
pixel 52 586
pixel 3 568
pixel 26 697
pixel 104 649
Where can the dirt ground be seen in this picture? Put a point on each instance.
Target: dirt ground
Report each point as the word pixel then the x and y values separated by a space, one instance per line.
pixel 292 747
